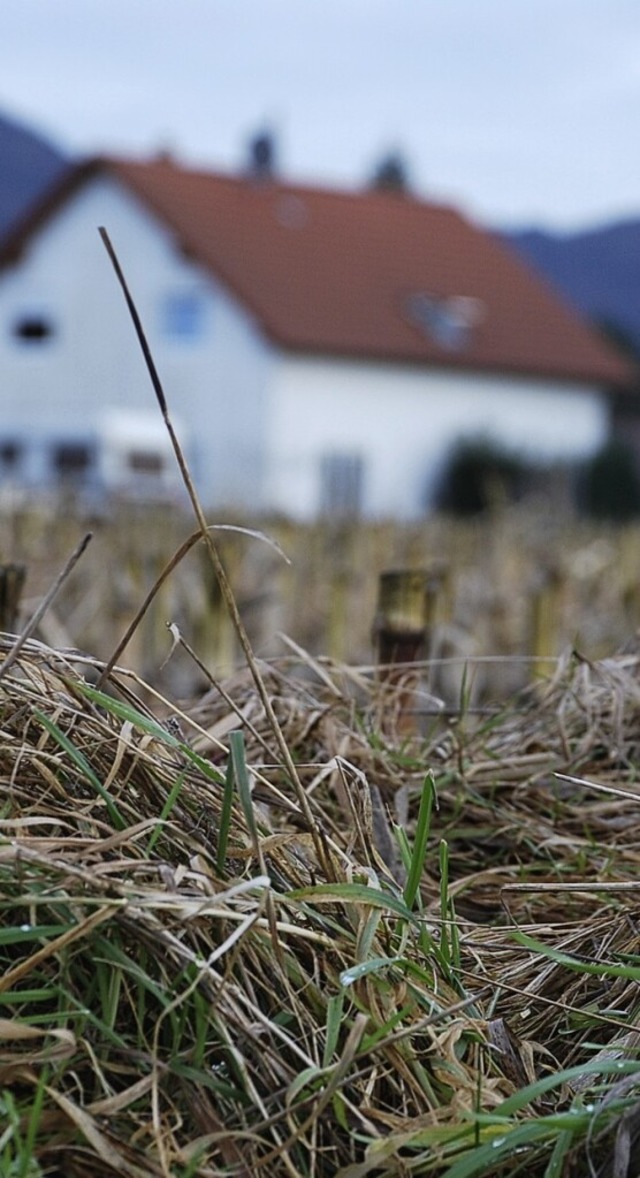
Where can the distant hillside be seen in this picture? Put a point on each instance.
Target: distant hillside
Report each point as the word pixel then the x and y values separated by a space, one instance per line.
pixel 28 165
pixel 598 271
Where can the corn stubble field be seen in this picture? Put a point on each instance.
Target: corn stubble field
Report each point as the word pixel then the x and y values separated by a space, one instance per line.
pixel 283 914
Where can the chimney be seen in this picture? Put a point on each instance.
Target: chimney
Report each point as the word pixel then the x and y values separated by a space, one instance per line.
pixel 391 174
pixel 262 156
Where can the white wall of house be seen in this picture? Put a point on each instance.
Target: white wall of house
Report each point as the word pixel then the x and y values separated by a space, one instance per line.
pixel 212 360
pixel 401 422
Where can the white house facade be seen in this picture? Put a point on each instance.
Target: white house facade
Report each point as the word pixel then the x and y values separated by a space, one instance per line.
pixel 77 402
pixel 333 415
pixel 267 425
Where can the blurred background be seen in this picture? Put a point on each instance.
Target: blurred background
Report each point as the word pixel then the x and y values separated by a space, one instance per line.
pixel 522 115
pixel 523 118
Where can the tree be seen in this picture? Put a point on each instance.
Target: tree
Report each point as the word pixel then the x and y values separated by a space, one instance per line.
pixel 609 487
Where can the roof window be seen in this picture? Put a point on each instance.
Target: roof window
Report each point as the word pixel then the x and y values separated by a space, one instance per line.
pixel 448 321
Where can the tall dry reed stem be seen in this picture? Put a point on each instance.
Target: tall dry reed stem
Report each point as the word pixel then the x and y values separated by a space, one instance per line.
pixel 321 847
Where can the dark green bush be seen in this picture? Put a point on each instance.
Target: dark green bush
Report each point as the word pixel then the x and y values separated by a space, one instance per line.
pixel 480 475
pixel 609 486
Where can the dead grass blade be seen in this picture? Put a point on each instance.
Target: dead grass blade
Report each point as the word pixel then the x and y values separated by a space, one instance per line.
pixel 218 567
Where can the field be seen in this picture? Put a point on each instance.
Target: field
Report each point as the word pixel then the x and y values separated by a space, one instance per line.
pixel 270 909
pixel 524 582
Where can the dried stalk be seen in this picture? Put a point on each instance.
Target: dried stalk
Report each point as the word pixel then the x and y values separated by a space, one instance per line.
pixel 218 567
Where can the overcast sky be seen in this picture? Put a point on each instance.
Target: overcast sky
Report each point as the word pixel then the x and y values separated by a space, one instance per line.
pixel 519 112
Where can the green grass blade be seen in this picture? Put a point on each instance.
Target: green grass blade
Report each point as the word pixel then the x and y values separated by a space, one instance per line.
pixel 454 937
pixel 241 775
pixel 404 846
pixel 503 1143
pixel 367 935
pixel 352 894
pixel 445 947
pixel 335 1009
pixel 225 819
pixel 205 767
pixel 124 711
pixel 596 1068
pixel 13 935
pixel 33 1125
pixel 21 997
pixel 599 969
pixel 419 850
pixel 172 798
pixel 374 965
pixel 556 1166
pixel 81 763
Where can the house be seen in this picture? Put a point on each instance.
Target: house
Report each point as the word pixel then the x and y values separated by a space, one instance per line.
pixel 319 350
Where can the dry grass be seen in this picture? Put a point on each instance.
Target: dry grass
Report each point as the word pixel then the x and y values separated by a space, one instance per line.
pixel 326 597
pixel 281 931
pixel 186 989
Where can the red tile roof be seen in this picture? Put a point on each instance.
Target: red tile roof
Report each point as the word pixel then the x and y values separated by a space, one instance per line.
pixel 373 275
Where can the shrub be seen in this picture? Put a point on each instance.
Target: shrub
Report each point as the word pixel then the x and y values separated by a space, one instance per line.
pixel 479 475
pixel 609 487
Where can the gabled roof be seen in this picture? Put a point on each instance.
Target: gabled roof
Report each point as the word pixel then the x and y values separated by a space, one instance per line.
pixel 373 275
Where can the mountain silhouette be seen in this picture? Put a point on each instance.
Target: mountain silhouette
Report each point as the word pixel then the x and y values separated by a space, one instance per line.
pixel 29 163
pixel 597 270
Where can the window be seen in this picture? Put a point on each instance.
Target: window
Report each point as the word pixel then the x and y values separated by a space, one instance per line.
pixel 11 453
pixel 33 328
pixel 146 462
pixel 449 322
pixel 72 461
pixel 183 314
pixel 341 484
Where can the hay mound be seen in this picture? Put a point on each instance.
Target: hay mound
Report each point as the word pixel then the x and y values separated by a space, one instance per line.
pixel 195 980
